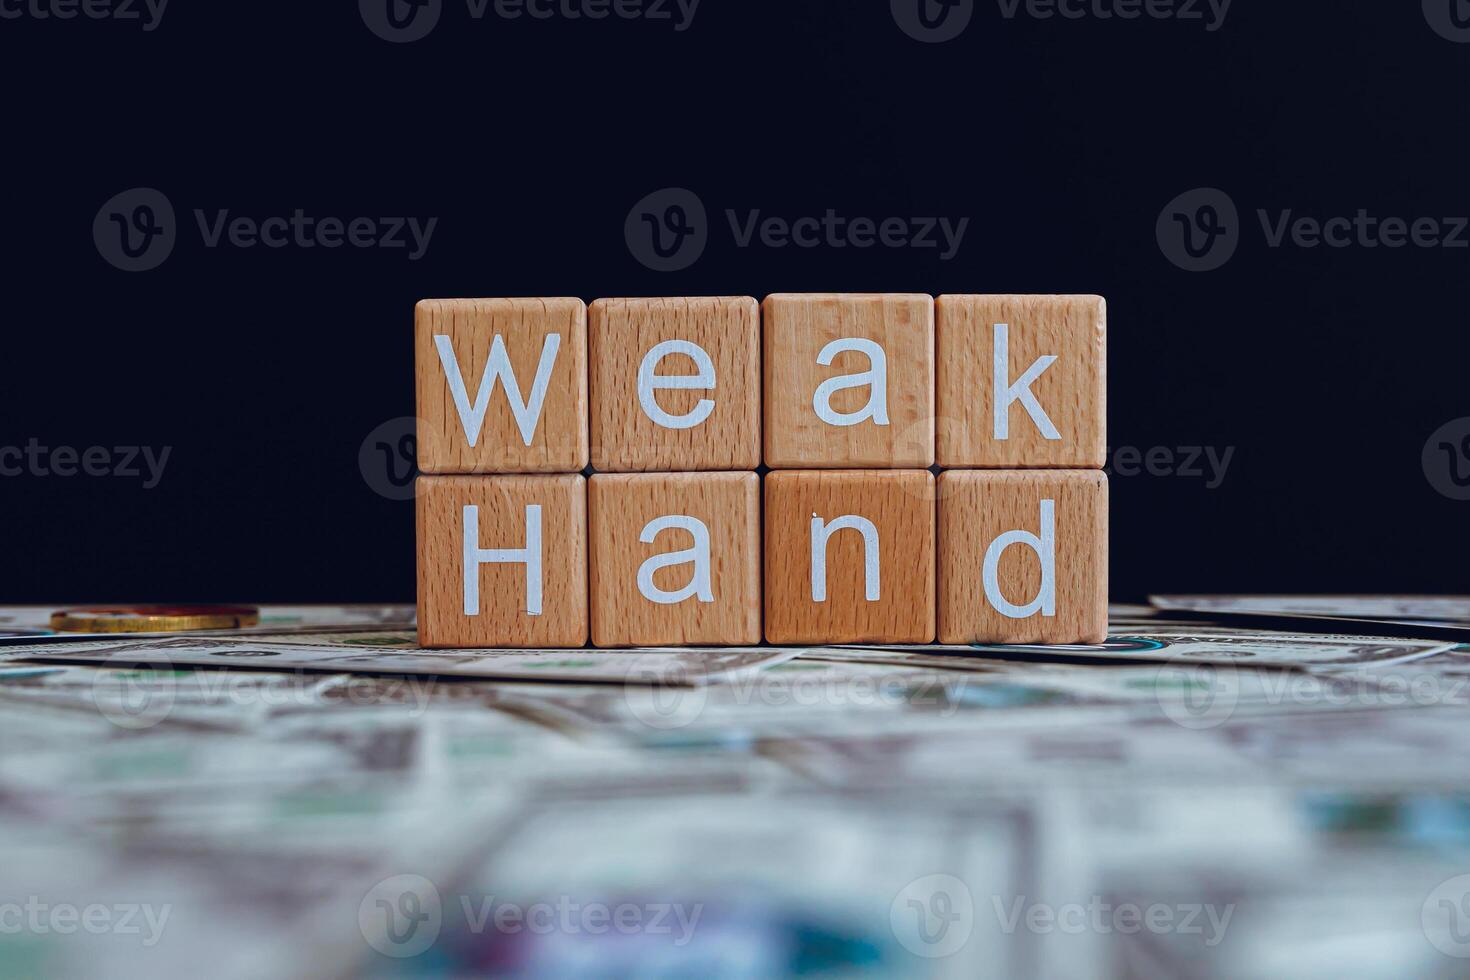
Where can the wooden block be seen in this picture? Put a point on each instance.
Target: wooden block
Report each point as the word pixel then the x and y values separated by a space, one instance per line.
pixel 502 561
pixel 710 524
pixel 1002 534
pixel 1044 360
pixel 850 557
pixel 502 385
pixel 849 380
pixel 675 384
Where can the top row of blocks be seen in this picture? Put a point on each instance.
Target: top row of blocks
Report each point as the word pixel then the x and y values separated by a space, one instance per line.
pixel 850 381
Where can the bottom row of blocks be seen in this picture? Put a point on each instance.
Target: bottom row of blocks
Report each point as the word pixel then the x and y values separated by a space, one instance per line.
pixel 672 559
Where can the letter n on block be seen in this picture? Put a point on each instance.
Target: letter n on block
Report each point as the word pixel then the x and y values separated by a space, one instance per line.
pixel 502 561
pixel 502 385
pixel 850 556
pixel 1023 556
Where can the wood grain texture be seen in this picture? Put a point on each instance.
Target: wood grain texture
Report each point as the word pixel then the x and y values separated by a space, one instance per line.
pixel 900 505
pixel 1072 391
pixel 625 438
pixel 796 327
pixel 503 619
pixel 559 444
pixel 978 506
pixel 621 505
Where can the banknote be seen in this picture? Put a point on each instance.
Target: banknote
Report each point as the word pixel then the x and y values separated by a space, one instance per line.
pixel 672 666
pixel 23 624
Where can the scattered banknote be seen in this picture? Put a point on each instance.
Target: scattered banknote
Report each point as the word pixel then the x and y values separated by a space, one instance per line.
pixel 32 624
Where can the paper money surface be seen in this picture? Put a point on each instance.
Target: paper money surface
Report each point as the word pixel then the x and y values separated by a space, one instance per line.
pixel 1193 800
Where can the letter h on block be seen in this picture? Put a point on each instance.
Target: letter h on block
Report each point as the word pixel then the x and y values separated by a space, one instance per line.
pixel 502 506
pixel 1023 546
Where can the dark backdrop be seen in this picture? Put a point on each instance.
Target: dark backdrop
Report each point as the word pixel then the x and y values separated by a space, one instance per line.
pixel 1062 140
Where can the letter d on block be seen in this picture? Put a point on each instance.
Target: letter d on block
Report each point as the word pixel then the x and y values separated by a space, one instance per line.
pixel 1045 546
pixel 475 556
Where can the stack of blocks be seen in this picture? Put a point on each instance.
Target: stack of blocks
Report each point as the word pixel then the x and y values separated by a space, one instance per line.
pixel 853 402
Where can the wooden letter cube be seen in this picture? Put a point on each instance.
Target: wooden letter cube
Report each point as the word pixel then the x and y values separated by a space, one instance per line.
pixel 850 557
pixel 502 385
pixel 675 384
pixel 502 561
pixel 675 559
pixel 849 380
pixel 1023 556
pixel 1022 381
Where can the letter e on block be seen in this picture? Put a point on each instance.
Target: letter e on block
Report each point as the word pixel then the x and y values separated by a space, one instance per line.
pixel 502 561
pixel 1023 556
pixel 501 385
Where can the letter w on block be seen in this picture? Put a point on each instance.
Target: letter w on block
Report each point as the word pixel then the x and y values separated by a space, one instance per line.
pixel 527 412
pixel 475 556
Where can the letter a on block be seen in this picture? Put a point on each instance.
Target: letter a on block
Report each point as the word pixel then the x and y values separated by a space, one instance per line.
pixel 501 385
pixel 502 561
pixel 875 378
pixel 699 585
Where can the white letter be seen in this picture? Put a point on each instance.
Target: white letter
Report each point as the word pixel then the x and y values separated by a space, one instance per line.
pixel 699 555
pixel 876 376
pixel 648 382
pixel 527 414
pixel 475 556
pixel 1046 549
pixel 821 532
pixel 1005 393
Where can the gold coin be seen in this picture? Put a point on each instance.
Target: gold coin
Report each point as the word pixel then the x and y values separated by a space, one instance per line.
pixel 153 619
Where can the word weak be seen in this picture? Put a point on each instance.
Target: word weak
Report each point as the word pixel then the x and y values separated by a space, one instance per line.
pixel 934 470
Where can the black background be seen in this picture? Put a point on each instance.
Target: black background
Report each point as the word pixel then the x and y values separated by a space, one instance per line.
pixel 1061 140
